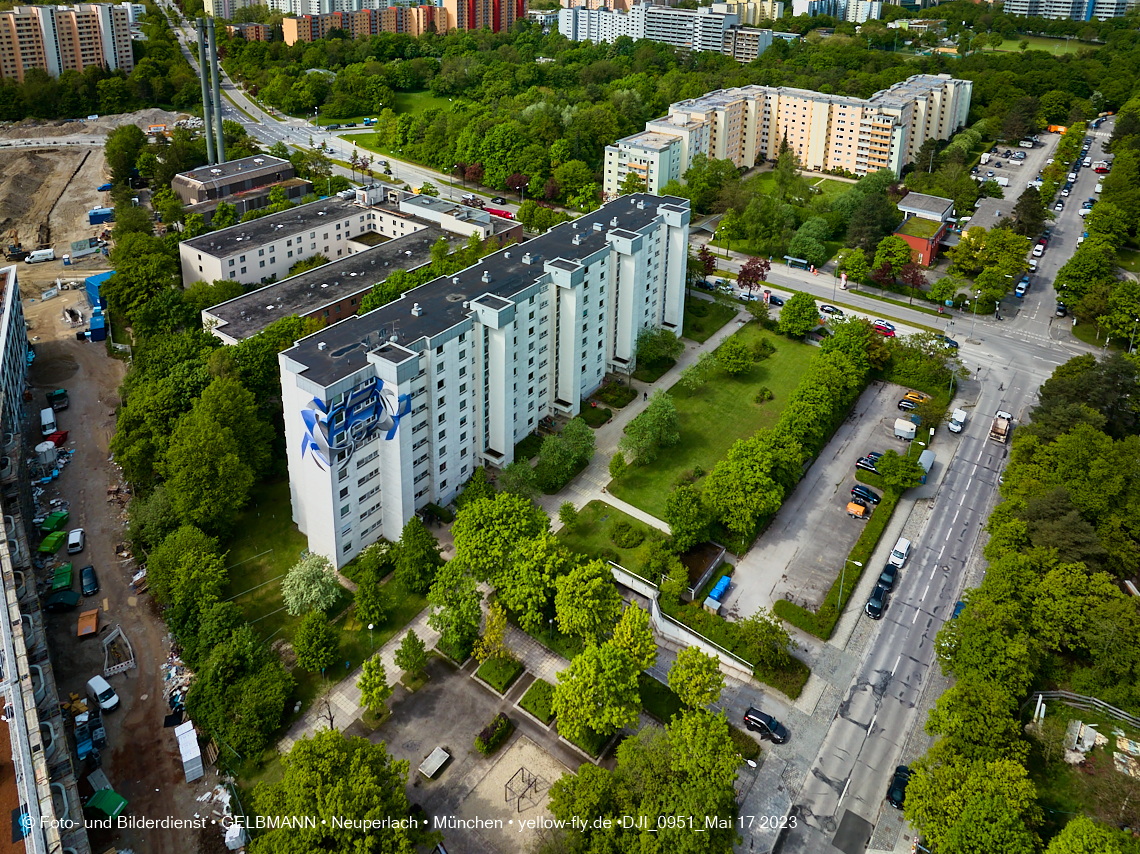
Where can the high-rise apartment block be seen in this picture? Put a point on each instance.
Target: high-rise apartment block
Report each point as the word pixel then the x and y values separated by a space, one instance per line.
pixel 1074 10
pixel 855 11
pixel 828 132
pixel 58 38
pixel 497 15
pixel 751 12
pixel 390 410
pixel 709 28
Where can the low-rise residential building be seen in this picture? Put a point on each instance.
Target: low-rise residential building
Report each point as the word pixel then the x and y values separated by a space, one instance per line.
pixel 394 409
pixel 833 133
pixel 927 220
pixel 751 13
pixel 411 20
pixel 264 249
pixel 251 32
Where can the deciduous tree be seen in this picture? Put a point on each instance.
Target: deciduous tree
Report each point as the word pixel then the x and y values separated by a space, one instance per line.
pixel 416 556
pixel 696 678
pixel 598 691
pixel 373 684
pixel 799 316
pixel 487 531
pixel 734 357
pixel 310 585
pixel 527 583
pixel 316 642
pixel 687 517
pixel 658 426
pixel 343 781
pixel 587 603
pixel 633 634
pixel 455 597
pixel 493 643
pixel 411 656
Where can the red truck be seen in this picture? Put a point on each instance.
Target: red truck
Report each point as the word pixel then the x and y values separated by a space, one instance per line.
pixel 502 213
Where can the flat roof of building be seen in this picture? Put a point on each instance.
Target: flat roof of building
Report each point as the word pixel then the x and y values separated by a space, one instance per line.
pixel 219 171
pixel 651 140
pixel 258 232
pixel 307 292
pixel 442 301
pixel 987 214
pixel 922 204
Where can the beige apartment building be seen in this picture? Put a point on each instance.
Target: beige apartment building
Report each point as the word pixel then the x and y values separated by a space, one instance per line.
pixel 58 38
pixel 828 132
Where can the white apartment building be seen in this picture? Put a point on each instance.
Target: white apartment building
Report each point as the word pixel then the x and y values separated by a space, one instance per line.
pixel 828 132
pixel 388 411
pixel 856 11
pixel 324 7
pixel 687 29
pixel 1074 10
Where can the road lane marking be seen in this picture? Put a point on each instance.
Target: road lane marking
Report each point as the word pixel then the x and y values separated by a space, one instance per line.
pixel 845 787
pixel 916 613
pixel 871 726
pixel 896 667
pixel 922 598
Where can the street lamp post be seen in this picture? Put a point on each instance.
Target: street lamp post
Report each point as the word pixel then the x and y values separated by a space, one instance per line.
pixel 1132 337
pixel 370 636
pixel 843 577
pixel 973 323
pixel 551 629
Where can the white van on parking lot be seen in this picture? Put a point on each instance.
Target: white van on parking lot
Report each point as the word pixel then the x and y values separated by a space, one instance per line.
pixel 900 552
pixel 47 421
pixel 100 692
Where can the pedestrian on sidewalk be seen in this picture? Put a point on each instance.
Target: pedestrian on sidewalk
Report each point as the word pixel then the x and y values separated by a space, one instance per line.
pixel 645 395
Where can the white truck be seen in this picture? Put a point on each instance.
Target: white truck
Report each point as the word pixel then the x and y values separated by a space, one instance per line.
pixel 1001 427
pixel 957 421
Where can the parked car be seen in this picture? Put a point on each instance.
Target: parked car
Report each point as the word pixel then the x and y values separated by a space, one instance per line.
pixel 896 791
pixel 864 492
pixel 498 200
pixel 1062 310
pixel 907 405
pixel 990 173
pixel 1065 190
pixel 876 603
pixel 866 465
pixel 884 329
pixel 775 300
pixel 916 396
pixel 959 607
pixel 88 581
pixel 76 540
pixel 1043 240
pixel 1060 206
pixel 830 309
pixel 1038 251
pixel 888 575
pixel 763 723
pixel 1020 290
pixel 1033 265
pixel 949 343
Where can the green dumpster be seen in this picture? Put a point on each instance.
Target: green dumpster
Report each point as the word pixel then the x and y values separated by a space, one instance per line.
pixel 62 578
pixel 52 542
pixel 106 802
pixel 55 521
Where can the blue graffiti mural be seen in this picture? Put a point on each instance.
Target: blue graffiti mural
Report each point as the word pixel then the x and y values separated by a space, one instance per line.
pixel 370 408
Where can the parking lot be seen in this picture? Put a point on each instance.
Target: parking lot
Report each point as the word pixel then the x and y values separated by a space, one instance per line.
pixel 802 552
pixel 1019 176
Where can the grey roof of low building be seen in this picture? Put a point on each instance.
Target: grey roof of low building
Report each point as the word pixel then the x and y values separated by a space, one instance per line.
pixel 330 283
pixel 921 203
pixel 242 166
pixel 442 301
pixel 258 232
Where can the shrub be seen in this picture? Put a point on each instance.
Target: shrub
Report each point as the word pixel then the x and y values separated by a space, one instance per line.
pixel 744 743
pixel 610 556
pixel 539 700
pixel 764 394
pixel 698 472
pixel 442 513
pixel 762 349
pixel 624 535
pixel 499 673
pixel 494 734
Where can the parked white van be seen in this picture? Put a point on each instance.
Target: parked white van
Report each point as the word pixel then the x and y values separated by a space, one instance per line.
pixel 900 552
pixel 47 421
pixel 99 691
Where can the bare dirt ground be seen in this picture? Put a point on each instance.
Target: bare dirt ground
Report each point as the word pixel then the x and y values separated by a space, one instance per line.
pixel 45 194
pixel 73 127
pixel 141 759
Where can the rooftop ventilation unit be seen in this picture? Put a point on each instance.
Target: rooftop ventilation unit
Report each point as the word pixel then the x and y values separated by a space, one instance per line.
pixel 614 222
pixel 506 254
pixel 527 258
pixel 486 276
pixel 598 226
pixel 322 345
pixel 416 310
pixel 641 206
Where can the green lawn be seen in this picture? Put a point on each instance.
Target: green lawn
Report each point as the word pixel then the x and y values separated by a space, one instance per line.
pixel 591 534
pixel 704 318
pixel 499 673
pixel 831 187
pixel 267 543
pixel 529 447
pixel 1088 333
pixel 1129 259
pixel 651 372
pixel 596 416
pixel 1055 46
pixel 714 417
pixel 414 102
pixel 539 700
